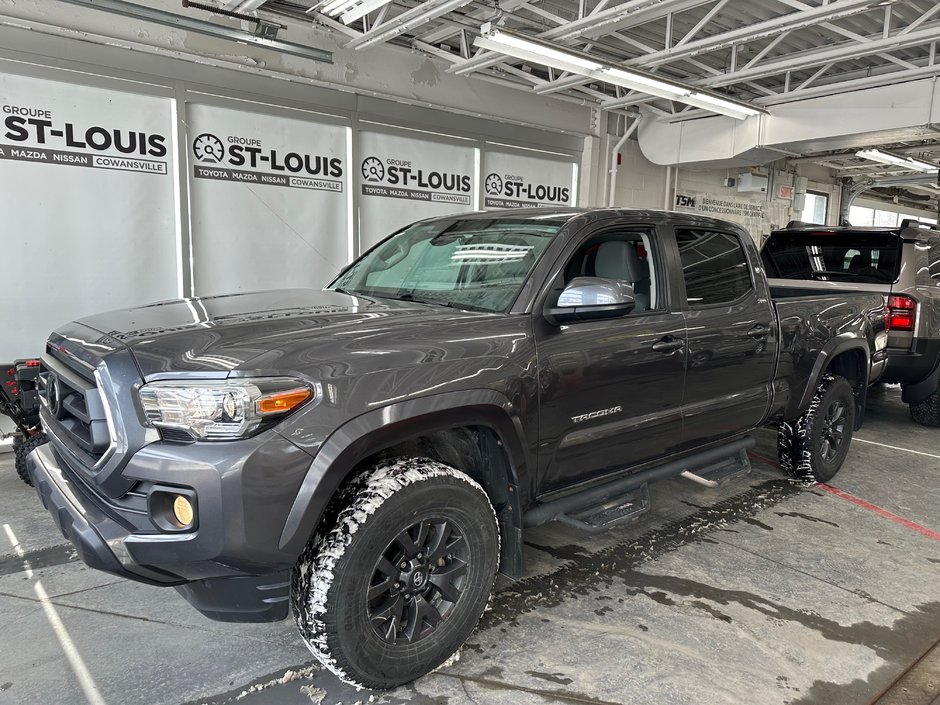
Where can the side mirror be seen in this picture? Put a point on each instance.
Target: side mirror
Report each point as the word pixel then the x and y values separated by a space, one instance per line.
pixel 592 298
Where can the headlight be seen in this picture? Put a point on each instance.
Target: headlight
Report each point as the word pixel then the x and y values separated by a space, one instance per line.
pixel 224 409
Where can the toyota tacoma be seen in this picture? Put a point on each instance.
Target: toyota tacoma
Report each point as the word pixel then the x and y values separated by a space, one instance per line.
pixel 368 456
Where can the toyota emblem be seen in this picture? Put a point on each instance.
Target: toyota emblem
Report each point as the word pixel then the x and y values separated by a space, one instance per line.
pixel 53 394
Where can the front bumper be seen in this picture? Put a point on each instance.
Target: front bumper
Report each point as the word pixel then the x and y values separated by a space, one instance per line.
pixel 224 568
pixel 98 538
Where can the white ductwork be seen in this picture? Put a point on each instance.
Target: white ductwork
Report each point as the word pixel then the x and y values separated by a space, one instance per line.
pixel 862 118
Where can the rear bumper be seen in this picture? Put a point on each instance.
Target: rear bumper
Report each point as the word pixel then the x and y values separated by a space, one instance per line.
pixel 914 365
pixel 105 544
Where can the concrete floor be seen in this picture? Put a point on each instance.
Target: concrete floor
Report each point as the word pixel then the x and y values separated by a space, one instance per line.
pixel 758 592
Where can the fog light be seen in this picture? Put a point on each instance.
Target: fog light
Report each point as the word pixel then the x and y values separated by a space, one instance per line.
pixel 183 510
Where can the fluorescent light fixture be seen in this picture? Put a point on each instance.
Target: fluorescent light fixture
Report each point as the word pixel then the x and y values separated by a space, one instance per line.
pixel 361 10
pixel 621 75
pixel 556 59
pixel 351 10
pixel 712 102
pixel 511 41
pixel 510 44
pixel 876 155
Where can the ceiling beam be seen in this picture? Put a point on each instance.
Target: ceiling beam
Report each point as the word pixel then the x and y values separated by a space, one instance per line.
pixel 625 15
pixel 406 21
pixel 789 22
pixel 817 57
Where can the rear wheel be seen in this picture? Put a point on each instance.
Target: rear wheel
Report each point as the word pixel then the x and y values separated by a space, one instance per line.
pixel 927 412
pixel 23 447
pixel 815 445
pixel 395 587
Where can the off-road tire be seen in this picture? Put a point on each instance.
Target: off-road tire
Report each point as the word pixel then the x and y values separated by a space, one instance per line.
pixel 382 510
pixel 927 412
pixel 23 447
pixel 806 447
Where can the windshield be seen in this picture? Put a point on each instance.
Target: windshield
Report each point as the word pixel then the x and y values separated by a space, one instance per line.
pixel 865 258
pixel 473 264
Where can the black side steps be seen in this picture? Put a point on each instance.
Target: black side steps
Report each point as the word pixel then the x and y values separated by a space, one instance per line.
pixel 724 470
pixel 602 506
pixel 617 510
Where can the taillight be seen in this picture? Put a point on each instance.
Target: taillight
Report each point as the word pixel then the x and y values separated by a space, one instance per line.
pixel 32 363
pixel 901 312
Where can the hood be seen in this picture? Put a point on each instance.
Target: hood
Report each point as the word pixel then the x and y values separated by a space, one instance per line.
pixel 275 331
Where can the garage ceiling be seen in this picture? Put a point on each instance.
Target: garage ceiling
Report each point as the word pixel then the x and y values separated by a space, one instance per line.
pixel 765 52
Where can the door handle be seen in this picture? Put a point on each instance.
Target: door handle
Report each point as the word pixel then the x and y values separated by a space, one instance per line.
pixel 759 332
pixel 668 345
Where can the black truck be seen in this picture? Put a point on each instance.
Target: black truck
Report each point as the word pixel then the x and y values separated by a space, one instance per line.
pixel 370 454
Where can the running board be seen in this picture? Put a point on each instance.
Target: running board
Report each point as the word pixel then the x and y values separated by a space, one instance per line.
pixel 605 497
pixel 721 472
pixel 617 510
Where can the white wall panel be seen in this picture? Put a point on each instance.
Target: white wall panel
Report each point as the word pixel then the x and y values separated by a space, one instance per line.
pixel 269 200
pixel 87 196
pixel 404 179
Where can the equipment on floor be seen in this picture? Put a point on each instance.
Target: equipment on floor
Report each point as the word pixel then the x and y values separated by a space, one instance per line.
pixel 19 400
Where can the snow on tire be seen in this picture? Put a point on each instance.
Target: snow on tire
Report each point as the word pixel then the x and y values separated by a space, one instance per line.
pixel 813 447
pixel 380 617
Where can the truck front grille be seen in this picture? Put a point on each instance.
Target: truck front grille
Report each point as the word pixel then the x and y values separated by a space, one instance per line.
pixel 75 409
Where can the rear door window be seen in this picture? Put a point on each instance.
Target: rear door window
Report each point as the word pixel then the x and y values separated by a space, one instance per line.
pixel 714 267
pixel 864 258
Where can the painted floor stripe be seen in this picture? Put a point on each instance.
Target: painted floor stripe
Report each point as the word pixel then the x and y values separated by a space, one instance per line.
pixel 905 450
pixel 763 458
pixel 858 501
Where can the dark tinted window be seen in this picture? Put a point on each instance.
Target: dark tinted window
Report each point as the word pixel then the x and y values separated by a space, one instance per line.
pixel 870 258
pixel 714 265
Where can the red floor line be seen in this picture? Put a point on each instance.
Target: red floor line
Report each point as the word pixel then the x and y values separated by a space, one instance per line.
pixel 858 501
pixel 769 461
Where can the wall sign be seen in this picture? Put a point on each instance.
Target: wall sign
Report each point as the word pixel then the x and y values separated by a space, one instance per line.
pixel 88 202
pixel 269 200
pixel 749 214
pixel 404 179
pixel 515 181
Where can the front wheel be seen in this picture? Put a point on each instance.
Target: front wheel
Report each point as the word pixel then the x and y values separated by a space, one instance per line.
pixel 397 584
pixel 815 445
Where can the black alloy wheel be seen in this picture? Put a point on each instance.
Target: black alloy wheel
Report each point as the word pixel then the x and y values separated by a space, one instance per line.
pixel 389 589
pixel 833 431
pixel 417 581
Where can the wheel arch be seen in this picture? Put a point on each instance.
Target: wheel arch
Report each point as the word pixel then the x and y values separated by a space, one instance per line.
pixel 475 431
pixel 844 358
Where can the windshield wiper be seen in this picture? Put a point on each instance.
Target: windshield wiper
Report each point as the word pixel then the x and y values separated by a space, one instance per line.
pixel 350 292
pixel 408 296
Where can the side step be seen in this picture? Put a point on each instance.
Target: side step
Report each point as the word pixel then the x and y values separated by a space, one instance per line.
pixel 616 510
pixel 727 468
pixel 614 499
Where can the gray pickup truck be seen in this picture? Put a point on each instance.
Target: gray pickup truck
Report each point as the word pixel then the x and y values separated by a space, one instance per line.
pixel 371 453
pixel 901 264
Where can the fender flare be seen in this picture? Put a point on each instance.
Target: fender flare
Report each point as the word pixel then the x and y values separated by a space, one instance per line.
pixel 370 432
pixel 830 352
